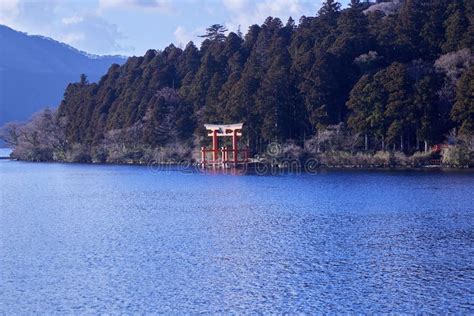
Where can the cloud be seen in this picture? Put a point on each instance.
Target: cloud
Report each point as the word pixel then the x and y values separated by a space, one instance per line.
pixel 72 20
pixel 248 12
pixel 72 39
pixel 91 33
pixel 9 11
pixel 183 37
pixel 236 5
pixel 76 24
pixel 161 5
pixel 93 25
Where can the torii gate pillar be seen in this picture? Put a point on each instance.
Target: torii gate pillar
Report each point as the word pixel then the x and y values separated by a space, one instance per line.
pixel 234 145
pixel 230 130
pixel 214 145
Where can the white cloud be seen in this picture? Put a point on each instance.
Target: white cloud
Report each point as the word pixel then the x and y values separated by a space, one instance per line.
pixel 87 25
pixel 183 37
pixel 236 5
pixel 72 39
pixel 72 20
pixel 248 12
pixel 161 5
pixel 93 34
pixel 9 11
pixel 76 24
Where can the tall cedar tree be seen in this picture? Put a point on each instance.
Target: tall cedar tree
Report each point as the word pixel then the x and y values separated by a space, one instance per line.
pixel 288 82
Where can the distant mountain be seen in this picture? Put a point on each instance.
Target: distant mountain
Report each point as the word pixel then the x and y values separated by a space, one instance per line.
pixel 35 70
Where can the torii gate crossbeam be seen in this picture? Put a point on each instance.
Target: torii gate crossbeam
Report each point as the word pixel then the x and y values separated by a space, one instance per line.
pixel 223 130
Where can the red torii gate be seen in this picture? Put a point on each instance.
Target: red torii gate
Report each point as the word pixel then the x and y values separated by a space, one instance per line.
pixel 224 130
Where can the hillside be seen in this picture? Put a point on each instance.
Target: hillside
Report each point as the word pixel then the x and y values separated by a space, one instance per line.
pixel 34 71
pixel 351 80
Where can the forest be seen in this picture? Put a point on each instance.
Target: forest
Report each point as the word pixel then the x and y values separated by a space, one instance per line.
pixel 390 79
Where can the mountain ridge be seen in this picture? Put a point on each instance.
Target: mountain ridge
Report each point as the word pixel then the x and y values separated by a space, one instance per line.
pixel 35 70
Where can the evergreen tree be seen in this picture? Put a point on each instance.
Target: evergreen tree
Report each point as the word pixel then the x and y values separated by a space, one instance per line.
pixel 410 19
pixel 353 37
pixel 463 110
pixel 366 103
pixel 289 82
pixel 83 79
pixel 329 11
pixel 432 31
pixel 215 32
pixel 456 26
pixel 399 110
pixel 425 102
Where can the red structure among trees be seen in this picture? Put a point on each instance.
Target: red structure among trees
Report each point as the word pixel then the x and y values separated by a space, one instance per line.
pixel 224 130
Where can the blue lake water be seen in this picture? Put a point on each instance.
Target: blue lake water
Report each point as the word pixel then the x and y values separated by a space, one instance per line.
pixel 123 239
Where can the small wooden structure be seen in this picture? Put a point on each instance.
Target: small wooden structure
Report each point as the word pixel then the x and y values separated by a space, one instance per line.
pixel 220 156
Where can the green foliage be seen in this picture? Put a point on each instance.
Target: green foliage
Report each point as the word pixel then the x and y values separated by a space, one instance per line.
pixel 456 25
pixel 457 156
pixel 215 32
pixel 463 110
pixel 371 71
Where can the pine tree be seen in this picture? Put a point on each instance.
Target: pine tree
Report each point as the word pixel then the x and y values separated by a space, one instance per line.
pixel 287 81
pixel 426 101
pixel 411 19
pixel 215 32
pixel 353 37
pixel 399 110
pixel 366 102
pixel 456 26
pixel 463 109
pixel 329 11
pixel 432 31
pixel 83 79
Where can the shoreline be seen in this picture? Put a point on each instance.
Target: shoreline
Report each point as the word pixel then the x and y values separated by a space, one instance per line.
pixel 255 168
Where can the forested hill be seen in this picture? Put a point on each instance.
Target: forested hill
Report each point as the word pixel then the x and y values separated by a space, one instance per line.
pixel 34 71
pixel 392 75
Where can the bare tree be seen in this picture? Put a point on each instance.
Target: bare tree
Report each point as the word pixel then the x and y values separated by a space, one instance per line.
pixel 10 133
pixel 453 65
pixel 41 138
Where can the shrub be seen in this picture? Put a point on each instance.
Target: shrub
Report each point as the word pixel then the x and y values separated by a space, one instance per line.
pixel 174 153
pixel 381 159
pixel 99 154
pixel 335 158
pixel 78 153
pixel 332 138
pixel 398 159
pixel 420 158
pixel 457 156
pixel 291 150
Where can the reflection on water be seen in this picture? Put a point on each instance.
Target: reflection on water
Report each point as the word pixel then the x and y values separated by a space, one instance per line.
pixel 79 238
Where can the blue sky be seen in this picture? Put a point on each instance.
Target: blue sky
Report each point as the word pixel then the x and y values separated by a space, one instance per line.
pixel 130 27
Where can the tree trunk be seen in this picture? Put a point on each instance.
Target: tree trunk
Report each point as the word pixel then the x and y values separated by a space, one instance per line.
pixel 426 146
pixel 401 143
pixel 366 139
pixel 383 143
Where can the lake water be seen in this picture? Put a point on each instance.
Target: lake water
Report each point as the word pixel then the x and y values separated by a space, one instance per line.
pixel 107 239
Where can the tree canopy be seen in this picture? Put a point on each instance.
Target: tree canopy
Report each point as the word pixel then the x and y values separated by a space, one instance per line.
pixel 399 76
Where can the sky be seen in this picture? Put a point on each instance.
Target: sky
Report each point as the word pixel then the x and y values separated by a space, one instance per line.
pixel 131 27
